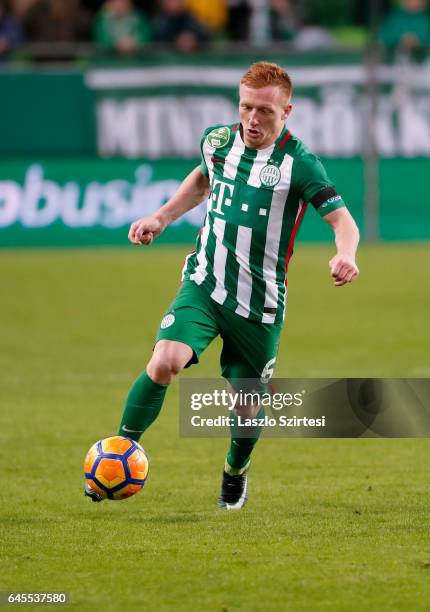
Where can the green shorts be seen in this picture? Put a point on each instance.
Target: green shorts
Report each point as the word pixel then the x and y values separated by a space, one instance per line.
pixel 194 318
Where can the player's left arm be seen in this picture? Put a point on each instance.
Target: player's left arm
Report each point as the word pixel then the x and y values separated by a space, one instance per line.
pixel 343 267
pixel 315 187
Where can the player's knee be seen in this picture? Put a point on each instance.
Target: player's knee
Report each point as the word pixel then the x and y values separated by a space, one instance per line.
pixel 159 372
pixel 248 411
pixel 164 366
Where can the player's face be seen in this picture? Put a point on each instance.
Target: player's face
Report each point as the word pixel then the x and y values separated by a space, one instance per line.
pixel 262 114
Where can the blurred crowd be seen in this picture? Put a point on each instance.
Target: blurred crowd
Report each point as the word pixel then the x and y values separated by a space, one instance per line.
pixel 128 27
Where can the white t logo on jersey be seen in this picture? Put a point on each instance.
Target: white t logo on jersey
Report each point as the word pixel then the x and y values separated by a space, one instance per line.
pixel 219 195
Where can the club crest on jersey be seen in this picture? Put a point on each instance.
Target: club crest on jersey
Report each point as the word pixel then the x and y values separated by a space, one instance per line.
pixel 270 175
pixel 218 138
pixel 167 321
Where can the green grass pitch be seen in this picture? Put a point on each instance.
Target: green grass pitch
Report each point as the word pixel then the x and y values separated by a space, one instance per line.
pixel 330 525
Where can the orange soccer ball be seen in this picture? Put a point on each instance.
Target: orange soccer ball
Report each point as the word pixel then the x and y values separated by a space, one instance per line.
pixel 116 467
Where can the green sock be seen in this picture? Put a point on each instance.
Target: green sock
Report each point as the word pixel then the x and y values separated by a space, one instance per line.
pixel 238 457
pixel 142 406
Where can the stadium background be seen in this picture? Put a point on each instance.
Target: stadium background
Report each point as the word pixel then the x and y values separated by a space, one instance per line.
pixel 102 106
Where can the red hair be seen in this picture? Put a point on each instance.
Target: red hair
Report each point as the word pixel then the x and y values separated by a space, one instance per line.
pixel 263 74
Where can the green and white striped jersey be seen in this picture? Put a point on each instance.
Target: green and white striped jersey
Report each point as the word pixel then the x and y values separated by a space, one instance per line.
pixel 257 201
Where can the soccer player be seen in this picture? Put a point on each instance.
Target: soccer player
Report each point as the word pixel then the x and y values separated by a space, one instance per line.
pixel 259 179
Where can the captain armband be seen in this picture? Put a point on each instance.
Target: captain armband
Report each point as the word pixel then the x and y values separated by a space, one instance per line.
pixel 327 200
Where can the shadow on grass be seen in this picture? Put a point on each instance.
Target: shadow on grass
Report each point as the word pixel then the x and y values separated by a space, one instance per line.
pixel 144 518
pixel 16 521
pixel 184 517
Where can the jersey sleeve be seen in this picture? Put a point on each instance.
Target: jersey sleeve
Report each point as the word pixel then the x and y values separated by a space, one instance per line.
pixel 315 186
pixel 203 165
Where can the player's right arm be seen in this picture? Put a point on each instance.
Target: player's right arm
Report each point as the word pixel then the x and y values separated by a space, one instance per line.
pixel 192 191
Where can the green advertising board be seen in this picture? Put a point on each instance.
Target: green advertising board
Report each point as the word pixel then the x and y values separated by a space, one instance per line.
pixel 159 111
pixel 83 153
pixel 83 201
